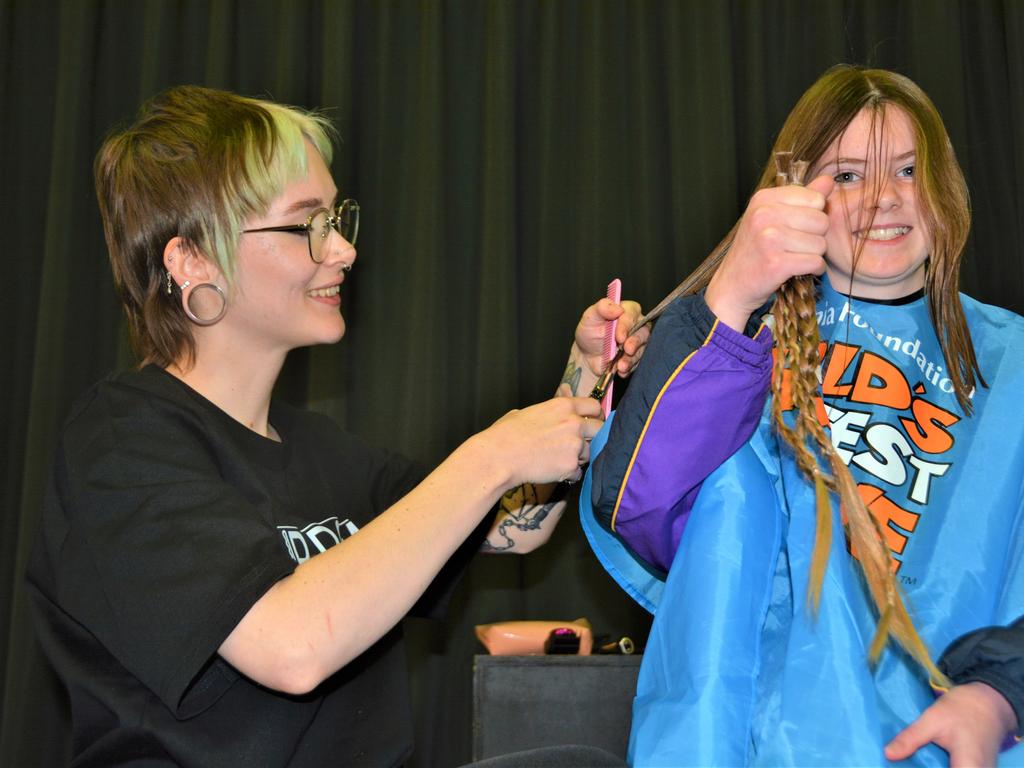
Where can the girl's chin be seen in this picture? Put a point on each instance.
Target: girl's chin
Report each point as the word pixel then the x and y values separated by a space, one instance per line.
pixel 877 283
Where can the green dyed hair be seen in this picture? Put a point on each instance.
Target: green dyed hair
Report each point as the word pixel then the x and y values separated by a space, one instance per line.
pixel 196 163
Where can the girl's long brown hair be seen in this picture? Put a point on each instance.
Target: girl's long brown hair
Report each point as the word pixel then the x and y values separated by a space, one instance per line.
pixel 819 118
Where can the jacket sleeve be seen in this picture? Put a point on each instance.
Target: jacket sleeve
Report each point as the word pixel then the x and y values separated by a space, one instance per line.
pixel 694 400
pixel 991 655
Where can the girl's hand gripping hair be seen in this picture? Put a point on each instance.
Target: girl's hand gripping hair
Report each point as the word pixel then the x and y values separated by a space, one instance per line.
pixel 781 234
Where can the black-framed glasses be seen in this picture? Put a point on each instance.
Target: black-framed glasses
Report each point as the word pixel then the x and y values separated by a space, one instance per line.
pixel 343 219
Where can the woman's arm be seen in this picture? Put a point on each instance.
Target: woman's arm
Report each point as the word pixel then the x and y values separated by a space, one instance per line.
pixel 527 514
pixel 337 604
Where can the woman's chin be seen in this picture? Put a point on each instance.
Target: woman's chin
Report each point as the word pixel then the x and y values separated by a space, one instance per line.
pixel 336 335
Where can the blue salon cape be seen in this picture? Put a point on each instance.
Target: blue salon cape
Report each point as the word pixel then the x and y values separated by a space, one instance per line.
pixel 736 670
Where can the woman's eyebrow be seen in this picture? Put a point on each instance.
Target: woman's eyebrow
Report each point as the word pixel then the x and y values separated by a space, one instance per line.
pixel 303 205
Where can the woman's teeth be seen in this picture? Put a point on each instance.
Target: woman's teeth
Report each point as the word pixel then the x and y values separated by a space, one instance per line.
pixel 325 293
pixel 884 233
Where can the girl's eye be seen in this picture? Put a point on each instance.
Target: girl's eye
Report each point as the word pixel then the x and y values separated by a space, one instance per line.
pixel 907 172
pixel 846 177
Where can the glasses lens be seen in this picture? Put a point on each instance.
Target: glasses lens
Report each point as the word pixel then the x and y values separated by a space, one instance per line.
pixel 348 220
pixel 344 219
pixel 319 229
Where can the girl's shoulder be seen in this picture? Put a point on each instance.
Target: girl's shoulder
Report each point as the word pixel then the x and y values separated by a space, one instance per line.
pixel 993 324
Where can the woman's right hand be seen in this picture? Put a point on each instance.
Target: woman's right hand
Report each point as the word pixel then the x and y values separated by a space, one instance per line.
pixel 547 442
pixel 781 234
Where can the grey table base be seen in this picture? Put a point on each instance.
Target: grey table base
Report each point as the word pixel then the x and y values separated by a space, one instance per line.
pixel 525 702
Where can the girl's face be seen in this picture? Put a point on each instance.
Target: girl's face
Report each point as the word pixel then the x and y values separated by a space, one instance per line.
pixel 282 298
pixel 877 243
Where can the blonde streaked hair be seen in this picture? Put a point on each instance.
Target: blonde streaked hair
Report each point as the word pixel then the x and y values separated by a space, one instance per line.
pixel 196 163
pixel 821 117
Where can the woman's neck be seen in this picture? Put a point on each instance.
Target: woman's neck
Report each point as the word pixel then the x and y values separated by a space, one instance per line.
pixel 241 386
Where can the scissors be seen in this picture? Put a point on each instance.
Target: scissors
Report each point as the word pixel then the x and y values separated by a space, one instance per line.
pixel 788 171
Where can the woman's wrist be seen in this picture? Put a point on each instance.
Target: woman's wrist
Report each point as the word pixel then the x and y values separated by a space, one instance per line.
pixel 577 379
pixel 483 460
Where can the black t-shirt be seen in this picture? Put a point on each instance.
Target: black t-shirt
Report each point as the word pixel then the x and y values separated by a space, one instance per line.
pixel 165 520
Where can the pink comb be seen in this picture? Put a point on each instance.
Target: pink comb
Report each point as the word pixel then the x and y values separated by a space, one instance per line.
pixel 610 347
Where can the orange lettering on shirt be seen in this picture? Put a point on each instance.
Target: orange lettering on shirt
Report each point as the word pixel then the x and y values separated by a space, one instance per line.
pixel 842 356
pixel 927 428
pixel 786 401
pixel 879 382
pixel 819 411
pixel 885 511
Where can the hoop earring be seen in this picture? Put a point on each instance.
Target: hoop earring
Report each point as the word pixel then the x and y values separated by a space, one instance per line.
pixel 190 311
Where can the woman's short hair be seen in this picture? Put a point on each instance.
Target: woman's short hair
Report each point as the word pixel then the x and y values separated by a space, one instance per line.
pixel 195 163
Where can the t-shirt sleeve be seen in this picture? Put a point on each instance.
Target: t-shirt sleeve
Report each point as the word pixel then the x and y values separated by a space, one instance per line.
pixel 162 555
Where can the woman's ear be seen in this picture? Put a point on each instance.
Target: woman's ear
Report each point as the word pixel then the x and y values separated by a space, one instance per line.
pixel 184 262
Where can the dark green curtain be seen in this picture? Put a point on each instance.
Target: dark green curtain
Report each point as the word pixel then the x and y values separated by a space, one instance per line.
pixel 511 157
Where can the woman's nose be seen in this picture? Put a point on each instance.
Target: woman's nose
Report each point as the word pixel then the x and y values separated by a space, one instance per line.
pixel 339 250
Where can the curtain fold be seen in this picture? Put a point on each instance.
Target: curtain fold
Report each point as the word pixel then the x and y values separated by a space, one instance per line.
pixel 511 157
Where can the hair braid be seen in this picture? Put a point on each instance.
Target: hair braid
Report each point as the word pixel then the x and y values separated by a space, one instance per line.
pixel 796 364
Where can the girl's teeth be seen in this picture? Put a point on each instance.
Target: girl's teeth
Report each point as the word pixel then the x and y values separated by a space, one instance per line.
pixel 886 233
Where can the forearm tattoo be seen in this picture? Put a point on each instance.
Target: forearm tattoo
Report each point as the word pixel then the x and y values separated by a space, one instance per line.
pixel 520 509
pixel 571 377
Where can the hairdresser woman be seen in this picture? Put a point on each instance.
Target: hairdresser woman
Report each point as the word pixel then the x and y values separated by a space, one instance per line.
pixel 219 577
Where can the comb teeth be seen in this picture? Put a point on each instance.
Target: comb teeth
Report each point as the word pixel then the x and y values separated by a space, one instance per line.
pixel 608 352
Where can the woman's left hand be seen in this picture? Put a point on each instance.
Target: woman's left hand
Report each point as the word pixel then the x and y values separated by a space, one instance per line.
pixel 969 721
pixel 590 335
